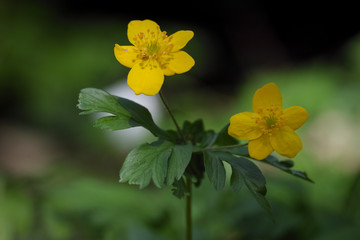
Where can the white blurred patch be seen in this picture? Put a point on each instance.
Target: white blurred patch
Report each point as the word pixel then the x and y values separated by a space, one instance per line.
pixel 126 139
pixel 334 137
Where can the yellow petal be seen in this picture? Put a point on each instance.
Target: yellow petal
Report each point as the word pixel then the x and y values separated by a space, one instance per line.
pixel 180 62
pixel 126 55
pixel 267 96
pixel 137 26
pixel 180 39
pixel 260 148
pixel 243 126
pixel 295 117
pixel 146 77
pixel 167 71
pixel 286 142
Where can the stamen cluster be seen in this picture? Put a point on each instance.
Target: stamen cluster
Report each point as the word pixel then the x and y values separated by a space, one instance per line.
pixel 269 127
pixel 270 119
pixel 154 46
pixel 153 55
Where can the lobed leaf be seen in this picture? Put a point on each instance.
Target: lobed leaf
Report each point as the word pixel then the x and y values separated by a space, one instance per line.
pixel 244 171
pixel 222 138
pixel 146 162
pixel 196 134
pixel 214 168
pixel 112 123
pixel 140 116
pixel 179 188
pixel 179 160
pixel 125 113
pixel 239 150
pixel 93 100
pixel 163 162
pixel 286 165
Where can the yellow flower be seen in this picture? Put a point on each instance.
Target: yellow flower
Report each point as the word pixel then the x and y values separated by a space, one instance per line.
pixel 153 55
pixel 269 127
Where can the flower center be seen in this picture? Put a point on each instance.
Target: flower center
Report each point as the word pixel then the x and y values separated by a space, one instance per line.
pixel 152 48
pixel 270 119
pixel 152 45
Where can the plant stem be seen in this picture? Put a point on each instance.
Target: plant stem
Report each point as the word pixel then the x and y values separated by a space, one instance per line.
pixel 225 147
pixel 188 210
pixel 188 180
pixel 172 117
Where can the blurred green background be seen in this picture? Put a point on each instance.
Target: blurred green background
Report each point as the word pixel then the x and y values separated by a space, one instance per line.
pixel 59 176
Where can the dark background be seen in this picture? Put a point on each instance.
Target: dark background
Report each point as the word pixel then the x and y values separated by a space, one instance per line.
pixel 250 34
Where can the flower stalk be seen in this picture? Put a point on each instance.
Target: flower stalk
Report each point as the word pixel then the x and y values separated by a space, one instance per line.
pixel 172 117
pixel 188 209
pixel 188 195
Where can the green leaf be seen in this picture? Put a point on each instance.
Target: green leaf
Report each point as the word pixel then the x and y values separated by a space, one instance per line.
pixel 179 160
pixel 245 171
pixel 125 113
pixel 214 168
pixel 196 134
pixel 146 162
pixel 196 169
pixel 285 165
pixel 140 116
pixel 259 195
pixel 239 150
pixel 92 100
pixel 236 180
pixel 162 161
pixel 179 188
pixel 112 123
pixel 222 138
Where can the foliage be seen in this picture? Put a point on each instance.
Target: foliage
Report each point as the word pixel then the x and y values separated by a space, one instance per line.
pixel 176 156
pixel 70 204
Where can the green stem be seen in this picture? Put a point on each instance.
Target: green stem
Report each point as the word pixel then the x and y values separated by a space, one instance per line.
pixel 225 147
pixel 188 210
pixel 172 117
pixel 188 180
